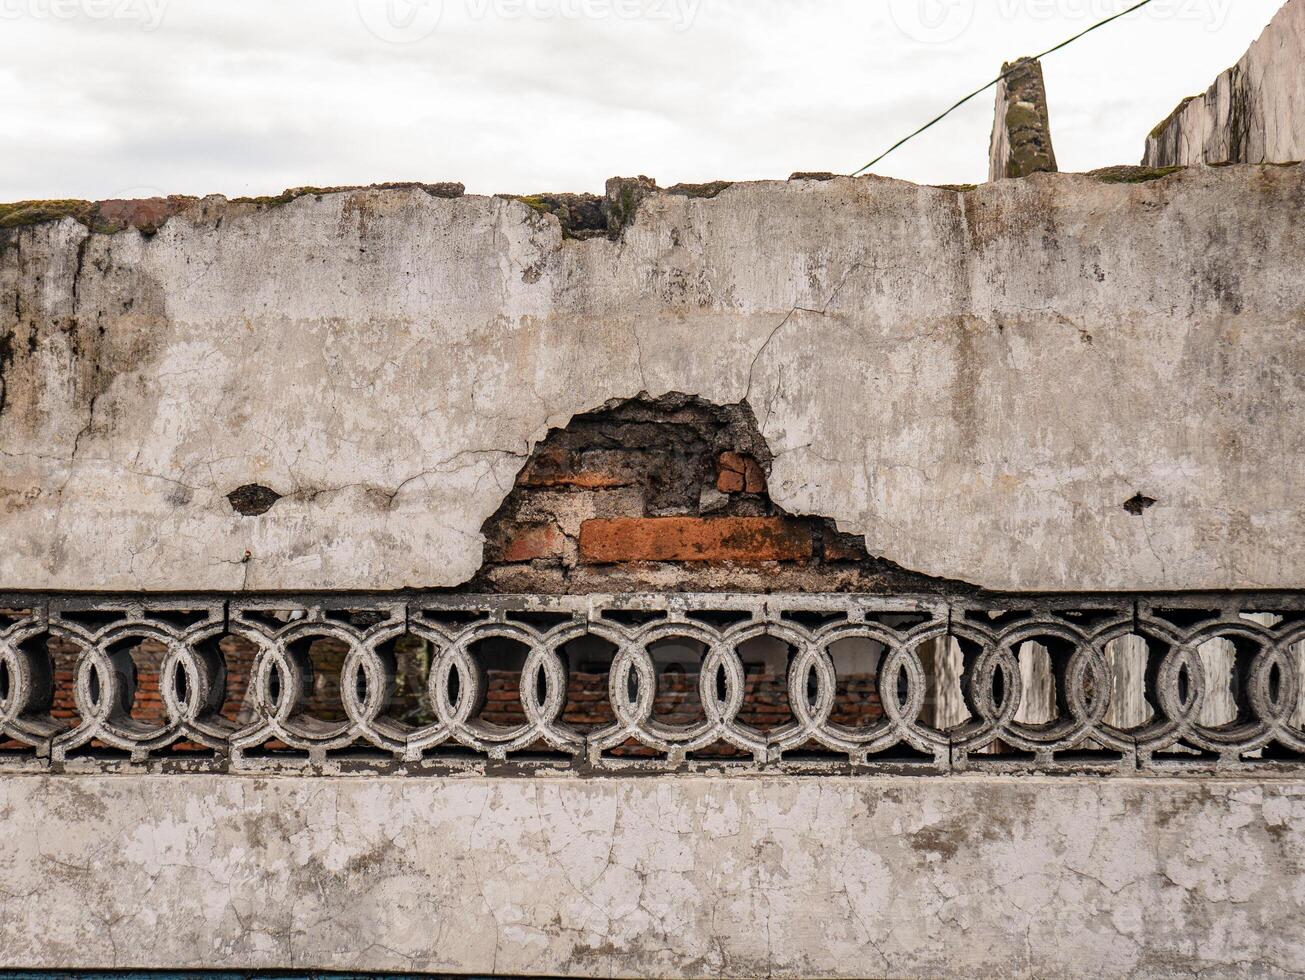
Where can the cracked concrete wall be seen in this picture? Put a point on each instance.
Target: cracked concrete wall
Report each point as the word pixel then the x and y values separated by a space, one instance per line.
pixel 977 382
pixel 688 877
pixel 1253 113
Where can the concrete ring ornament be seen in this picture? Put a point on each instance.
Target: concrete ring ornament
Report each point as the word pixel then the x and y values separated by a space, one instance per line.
pixel 105 693
pixel 461 719
pixel 282 683
pixel 809 661
pixel 1261 711
pixel 26 689
pixel 1060 734
pixel 902 673
pixel 1180 693
pixel 1096 666
pixel 1289 655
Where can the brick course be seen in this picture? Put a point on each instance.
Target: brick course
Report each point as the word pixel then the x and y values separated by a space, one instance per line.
pixel 742 540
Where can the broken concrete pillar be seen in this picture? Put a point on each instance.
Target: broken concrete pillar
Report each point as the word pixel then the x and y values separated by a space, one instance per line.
pixel 1021 128
pixel 1253 113
pixel 1127 658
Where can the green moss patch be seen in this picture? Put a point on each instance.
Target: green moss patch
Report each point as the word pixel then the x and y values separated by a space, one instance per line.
pixel 581 215
pixel 22 214
pixel 1132 175
pixel 1163 124
pixel 700 190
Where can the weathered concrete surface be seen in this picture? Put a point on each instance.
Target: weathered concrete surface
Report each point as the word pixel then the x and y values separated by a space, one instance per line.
pixel 977 382
pixel 1021 124
pixel 683 877
pixel 1253 113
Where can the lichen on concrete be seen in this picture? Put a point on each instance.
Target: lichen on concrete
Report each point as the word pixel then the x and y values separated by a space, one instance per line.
pixel 1021 136
pixel 1132 175
pixel 1253 113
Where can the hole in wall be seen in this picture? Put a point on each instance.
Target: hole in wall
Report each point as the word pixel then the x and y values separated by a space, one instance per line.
pixel 1139 504
pixel 253 500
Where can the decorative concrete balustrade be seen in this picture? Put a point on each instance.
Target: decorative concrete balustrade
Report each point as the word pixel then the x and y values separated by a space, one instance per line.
pixel 1156 683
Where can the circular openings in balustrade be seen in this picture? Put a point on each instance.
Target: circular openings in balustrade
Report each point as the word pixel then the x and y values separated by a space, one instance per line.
pixel 27 692
pixel 229 659
pixel 677 666
pixel 857 662
pixel 589 667
pixel 503 661
pixel 405 663
pixel 306 684
pixel 1126 686
pixel 123 684
pixel 26 679
pixel 766 662
pixel 1227 663
pixel 946 706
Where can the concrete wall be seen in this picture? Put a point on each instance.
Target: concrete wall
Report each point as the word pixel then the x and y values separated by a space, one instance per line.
pixel 691 877
pixel 975 381
pixel 1062 383
pixel 1253 113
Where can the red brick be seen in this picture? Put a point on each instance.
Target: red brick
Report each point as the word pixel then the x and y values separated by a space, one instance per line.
pixel 744 540
pixel 530 541
pixel 563 469
pixel 730 482
pixel 732 462
pixel 740 474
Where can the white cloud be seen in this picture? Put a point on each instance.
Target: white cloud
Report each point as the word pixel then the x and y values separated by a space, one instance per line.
pixel 250 96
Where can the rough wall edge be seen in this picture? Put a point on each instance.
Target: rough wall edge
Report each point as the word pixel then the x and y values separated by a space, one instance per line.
pixel 147 216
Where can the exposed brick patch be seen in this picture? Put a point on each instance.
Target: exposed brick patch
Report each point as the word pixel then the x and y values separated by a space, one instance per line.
pixel 531 542
pixel 667 494
pixel 743 540
pixel 740 474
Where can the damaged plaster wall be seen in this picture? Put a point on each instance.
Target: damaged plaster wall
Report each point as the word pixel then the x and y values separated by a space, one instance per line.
pixel 976 381
pixel 687 877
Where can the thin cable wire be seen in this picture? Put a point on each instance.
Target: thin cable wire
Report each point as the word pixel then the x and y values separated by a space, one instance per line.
pixel 999 78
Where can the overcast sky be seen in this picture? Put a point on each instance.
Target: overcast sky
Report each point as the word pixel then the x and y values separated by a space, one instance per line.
pixel 105 98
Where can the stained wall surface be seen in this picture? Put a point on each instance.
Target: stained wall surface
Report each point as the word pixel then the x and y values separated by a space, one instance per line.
pixel 975 381
pixel 689 877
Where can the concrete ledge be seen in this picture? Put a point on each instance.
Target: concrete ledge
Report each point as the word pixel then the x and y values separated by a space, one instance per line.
pixel 673 877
